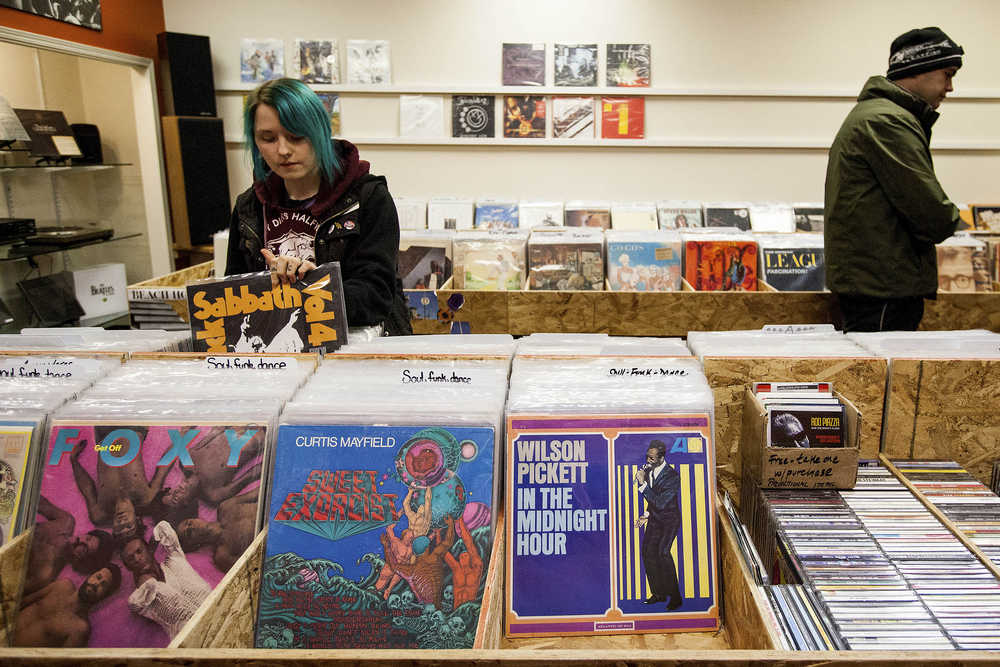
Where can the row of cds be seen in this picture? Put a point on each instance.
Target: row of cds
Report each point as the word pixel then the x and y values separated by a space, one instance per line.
pixel 591 260
pixel 874 569
pixel 492 213
pixel 967 503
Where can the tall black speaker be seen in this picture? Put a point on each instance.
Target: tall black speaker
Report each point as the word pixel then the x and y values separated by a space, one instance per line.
pixel 186 74
pixel 195 152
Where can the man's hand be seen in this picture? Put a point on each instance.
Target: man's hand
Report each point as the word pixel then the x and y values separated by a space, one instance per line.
pixel 285 269
pixel 640 476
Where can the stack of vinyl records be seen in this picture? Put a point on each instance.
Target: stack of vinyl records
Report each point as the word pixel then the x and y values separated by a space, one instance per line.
pixel 610 473
pixel 962 344
pixel 887 573
pixel 441 344
pixel 383 502
pixel 151 490
pixel 760 343
pixel 555 344
pixel 31 388
pixel 95 339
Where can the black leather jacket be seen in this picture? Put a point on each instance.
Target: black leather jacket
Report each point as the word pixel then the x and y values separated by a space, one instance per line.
pixel 360 230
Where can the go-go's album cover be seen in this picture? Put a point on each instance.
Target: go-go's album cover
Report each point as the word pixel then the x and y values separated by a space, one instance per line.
pixel 378 537
pixel 611 525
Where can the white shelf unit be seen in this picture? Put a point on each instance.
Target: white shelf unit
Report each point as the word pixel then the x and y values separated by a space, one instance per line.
pixel 653 142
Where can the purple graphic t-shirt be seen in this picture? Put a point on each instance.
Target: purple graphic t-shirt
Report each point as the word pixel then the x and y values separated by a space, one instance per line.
pixel 291 230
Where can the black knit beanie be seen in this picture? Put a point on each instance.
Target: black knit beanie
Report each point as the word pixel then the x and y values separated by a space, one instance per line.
pixel 922 50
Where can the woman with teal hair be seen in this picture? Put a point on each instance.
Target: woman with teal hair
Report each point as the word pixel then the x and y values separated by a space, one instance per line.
pixel 314 201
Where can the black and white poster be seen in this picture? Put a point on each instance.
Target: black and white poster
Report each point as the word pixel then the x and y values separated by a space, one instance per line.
pixel 86 13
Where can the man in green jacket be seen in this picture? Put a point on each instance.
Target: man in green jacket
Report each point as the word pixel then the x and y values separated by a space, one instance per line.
pixel 885 209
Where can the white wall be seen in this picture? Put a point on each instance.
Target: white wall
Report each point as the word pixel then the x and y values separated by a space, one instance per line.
pixel 773 46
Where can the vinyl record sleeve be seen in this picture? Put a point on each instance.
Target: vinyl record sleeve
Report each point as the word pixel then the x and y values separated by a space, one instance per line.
pixel 473 116
pixel 16 437
pixel 368 61
pixel 794 269
pixel 577 561
pixel 174 478
pixel 524 116
pixel 424 261
pixel 644 263
pixel 566 260
pixel 728 265
pixel 378 537
pixel 261 60
pixel 628 65
pixel 623 117
pixel 243 313
pixel 574 64
pixel 572 117
pixel 316 60
pixel 523 64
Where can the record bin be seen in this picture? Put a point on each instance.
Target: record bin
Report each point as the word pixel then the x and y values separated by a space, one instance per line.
pixel 222 630
pixel 859 379
pixel 673 313
pixel 944 409
pixel 146 291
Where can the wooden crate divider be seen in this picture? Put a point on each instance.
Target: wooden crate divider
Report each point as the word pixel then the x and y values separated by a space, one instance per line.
pixel 13 560
pixel 944 409
pixel 226 618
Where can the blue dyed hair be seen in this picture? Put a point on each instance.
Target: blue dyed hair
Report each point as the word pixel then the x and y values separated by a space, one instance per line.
pixel 302 113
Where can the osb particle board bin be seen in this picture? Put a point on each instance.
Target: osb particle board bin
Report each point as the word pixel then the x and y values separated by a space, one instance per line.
pixel 522 312
pixel 860 379
pixel 158 289
pixel 944 409
pixel 671 313
pixel 222 629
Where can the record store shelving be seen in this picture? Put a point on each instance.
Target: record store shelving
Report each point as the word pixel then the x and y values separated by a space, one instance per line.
pixel 762 143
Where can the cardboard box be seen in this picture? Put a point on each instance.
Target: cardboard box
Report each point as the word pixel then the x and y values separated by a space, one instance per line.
pixel 795 467
pixel 100 290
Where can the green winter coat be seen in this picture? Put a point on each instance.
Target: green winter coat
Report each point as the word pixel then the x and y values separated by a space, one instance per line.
pixel 885 209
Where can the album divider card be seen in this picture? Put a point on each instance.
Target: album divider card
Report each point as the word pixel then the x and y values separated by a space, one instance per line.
pixel 610 525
